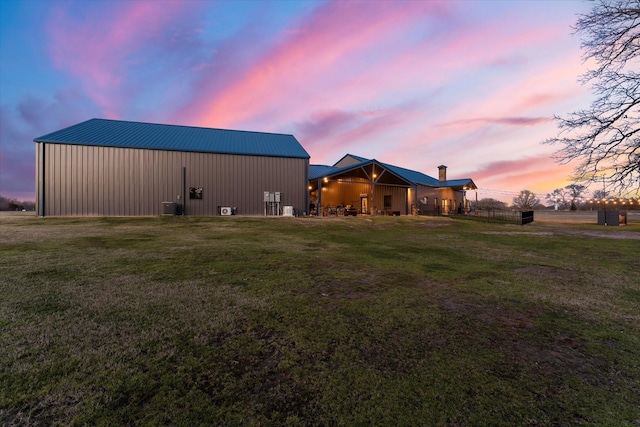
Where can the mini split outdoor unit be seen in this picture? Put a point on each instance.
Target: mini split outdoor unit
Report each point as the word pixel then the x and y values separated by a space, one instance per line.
pixel 225 210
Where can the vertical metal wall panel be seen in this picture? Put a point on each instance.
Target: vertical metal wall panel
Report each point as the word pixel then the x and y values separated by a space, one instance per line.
pixel 103 180
pixel 398 198
pixel 84 189
pixel 344 193
pixel 147 184
pixel 40 163
pixel 76 174
pixel 49 203
pixel 54 181
pixel 115 206
pixel 63 193
pixel 88 180
pixel 48 178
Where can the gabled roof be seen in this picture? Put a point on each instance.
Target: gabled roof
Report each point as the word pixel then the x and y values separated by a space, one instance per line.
pixel 417 178
pixel 349 159
pixel 122 134
pixel 319 171
pixel 411 176
pixel 465 182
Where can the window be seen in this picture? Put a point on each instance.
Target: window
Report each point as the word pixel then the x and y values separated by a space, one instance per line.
pixel 387 202
pixel 195 193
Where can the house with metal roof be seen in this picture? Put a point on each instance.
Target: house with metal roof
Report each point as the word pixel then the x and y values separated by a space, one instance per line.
pixel 358 185
pixel 113 167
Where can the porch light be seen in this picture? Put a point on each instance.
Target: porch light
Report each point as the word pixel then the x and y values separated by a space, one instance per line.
pixel 326 179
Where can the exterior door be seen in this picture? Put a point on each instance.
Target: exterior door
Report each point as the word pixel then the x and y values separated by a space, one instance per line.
pixel 364 205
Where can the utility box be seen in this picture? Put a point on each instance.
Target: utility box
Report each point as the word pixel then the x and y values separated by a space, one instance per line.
pixel 609 217
pixel 526 217
pixel 287 211
pixel 168 208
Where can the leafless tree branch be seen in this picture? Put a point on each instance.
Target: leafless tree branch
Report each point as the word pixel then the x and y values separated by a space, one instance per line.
pixel 605 138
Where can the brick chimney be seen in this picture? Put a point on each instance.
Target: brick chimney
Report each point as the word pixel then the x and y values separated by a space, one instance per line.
pixel 442 173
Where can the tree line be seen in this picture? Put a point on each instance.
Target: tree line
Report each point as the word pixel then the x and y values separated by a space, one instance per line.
pixel 8 204
pixel 571 197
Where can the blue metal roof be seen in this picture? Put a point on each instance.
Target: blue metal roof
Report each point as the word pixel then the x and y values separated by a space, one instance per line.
pixel 318 171
pixel 414 177
pixel 151 136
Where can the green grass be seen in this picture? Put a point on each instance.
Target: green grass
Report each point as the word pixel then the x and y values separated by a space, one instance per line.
pixel 346 321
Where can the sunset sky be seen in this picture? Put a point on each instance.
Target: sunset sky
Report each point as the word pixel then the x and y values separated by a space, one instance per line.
pixel 469 84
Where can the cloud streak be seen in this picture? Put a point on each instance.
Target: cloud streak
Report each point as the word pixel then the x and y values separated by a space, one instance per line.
pixel 305 66
pixel 102 49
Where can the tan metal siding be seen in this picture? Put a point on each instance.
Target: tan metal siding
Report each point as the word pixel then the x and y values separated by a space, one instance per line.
pixel 398 198
pixel 40 178
pixel 240 181
pixel 337 193
pixel 86 180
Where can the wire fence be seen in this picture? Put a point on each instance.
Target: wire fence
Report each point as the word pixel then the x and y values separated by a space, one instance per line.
pixel 490 215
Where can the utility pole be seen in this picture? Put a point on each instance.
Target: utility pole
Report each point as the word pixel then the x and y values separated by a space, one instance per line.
pixel 604 203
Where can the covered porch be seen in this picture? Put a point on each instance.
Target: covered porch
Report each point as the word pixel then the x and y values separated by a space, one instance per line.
pixel 368 188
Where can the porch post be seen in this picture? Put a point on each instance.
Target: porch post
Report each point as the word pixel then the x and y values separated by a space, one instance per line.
pixel 319 197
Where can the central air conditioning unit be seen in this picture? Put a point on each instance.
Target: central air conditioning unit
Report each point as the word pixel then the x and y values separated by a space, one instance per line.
pixel 225 210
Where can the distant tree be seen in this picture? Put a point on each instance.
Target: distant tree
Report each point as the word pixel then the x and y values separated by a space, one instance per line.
pixel 575 195
pixel 605 138
pixel 557 198
pixel 600 194
pixel 489 203
pixel 526 200
pixel 7 204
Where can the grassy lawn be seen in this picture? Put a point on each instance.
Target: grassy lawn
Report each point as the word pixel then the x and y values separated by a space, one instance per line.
pixel 341 321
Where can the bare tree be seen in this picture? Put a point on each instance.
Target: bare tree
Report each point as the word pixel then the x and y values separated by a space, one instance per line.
pixel 557 198
pixel 575 195
pixel 600 194
pixel 489 203
pixel 605 138
pixel 525 200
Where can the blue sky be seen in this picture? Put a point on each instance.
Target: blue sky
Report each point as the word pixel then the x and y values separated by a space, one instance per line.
pixel 469 84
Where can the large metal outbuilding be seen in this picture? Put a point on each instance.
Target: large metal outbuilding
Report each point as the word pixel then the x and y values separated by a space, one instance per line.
pixel 111 167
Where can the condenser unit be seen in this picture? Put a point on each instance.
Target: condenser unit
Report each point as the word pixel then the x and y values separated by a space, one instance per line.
pixel 225 210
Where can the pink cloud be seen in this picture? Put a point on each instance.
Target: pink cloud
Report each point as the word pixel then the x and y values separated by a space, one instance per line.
pixel 503 168
pixel 100 49
pixel 306 60
pixel 348 131
pixel 539 174
pixel 507 121
pixel 323 124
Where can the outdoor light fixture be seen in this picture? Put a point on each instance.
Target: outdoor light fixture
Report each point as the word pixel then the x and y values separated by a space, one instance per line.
pixel 326 179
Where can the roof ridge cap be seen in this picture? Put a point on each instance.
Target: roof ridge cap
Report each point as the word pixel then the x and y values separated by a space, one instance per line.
pixel 187 126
